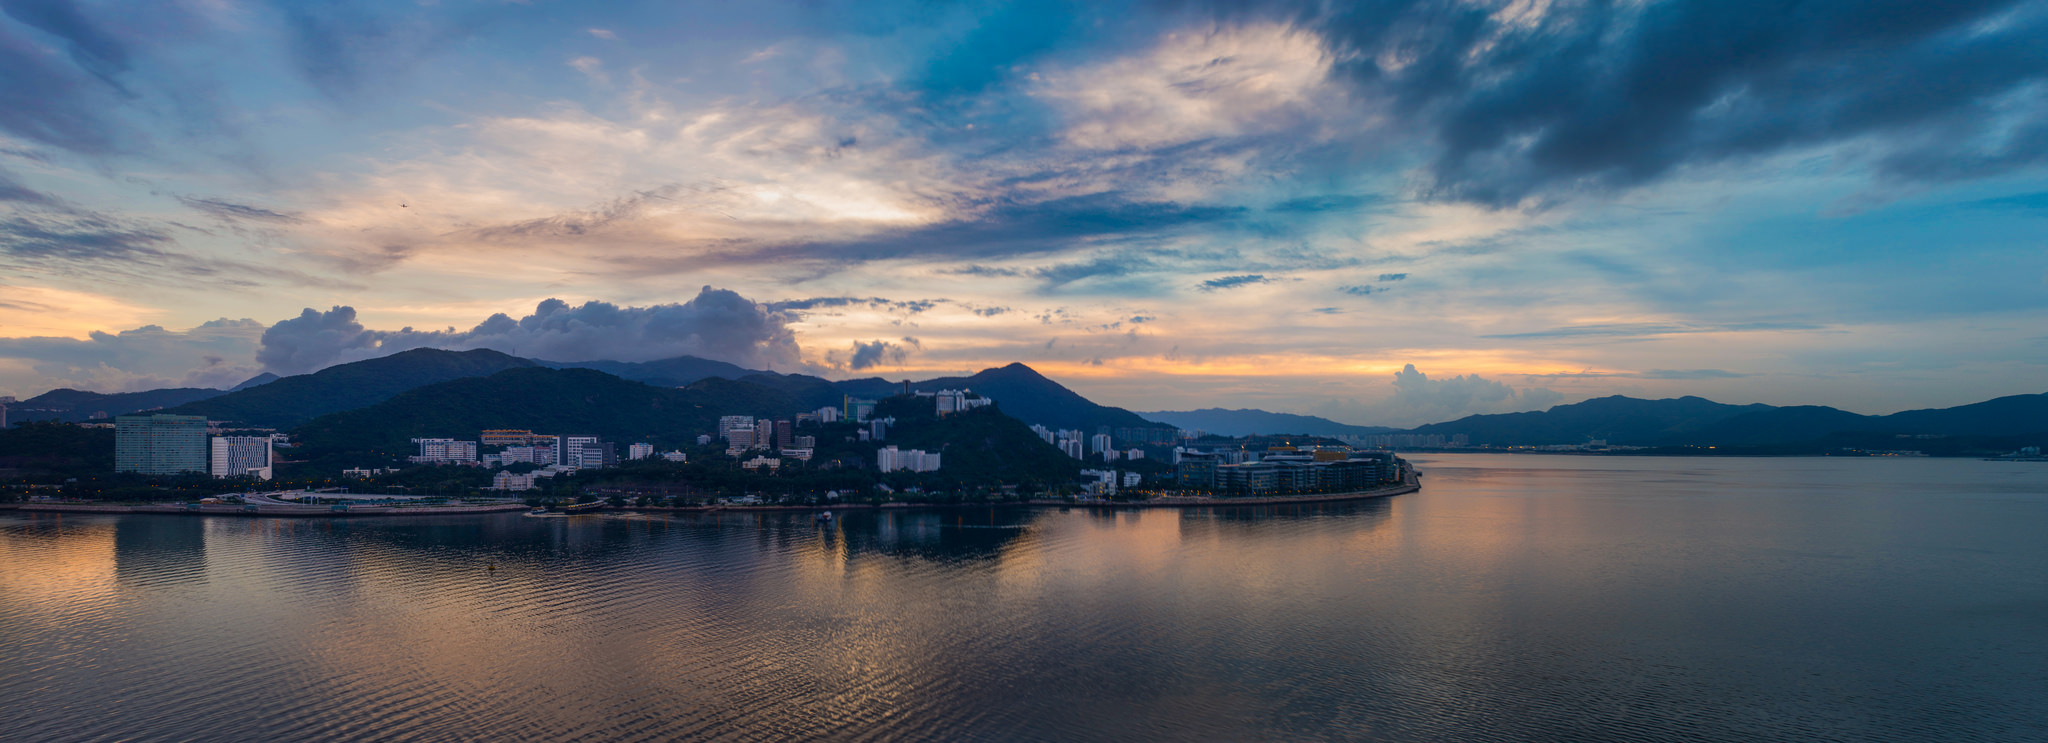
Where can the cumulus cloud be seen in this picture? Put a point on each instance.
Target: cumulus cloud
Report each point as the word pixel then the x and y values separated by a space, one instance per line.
pixel 214 354
pixel 1418 399
pixel 870 354
pixel 717 324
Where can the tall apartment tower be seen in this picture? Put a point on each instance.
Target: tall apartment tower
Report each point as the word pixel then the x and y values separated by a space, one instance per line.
pixel 235 456
pixel 160 444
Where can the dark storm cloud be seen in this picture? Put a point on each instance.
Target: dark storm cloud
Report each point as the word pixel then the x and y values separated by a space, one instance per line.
pixel 716 324
pixel 1604 95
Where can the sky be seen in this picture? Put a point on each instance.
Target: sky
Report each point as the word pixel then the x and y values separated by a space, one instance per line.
pixel 1384 213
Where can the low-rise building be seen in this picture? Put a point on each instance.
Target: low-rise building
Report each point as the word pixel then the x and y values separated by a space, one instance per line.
pixel 444 451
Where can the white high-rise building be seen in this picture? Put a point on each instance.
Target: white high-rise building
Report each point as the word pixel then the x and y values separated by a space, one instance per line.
pixel 828 414
pixel 1043 432
pixel 444 451
pixel 639 451
pixel 235 456
pixel 572 453
pixel 1073 448
pixel 1100 443
pixel 890 459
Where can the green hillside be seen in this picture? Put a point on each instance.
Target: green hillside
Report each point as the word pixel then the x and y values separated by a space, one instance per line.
pixel 291 401
pixel 983 446
pixel 554 401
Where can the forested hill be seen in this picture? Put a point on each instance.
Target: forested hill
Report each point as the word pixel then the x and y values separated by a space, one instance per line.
pixel 555 401
pixel 290 401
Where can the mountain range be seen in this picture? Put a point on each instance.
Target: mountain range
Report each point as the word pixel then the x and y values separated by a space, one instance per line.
pixel 1246 421
pixel 688 389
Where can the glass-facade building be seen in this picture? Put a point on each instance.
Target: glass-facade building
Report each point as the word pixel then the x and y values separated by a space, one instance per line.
pixel 160 444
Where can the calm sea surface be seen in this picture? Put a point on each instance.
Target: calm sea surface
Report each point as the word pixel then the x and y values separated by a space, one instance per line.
pixel 1516 598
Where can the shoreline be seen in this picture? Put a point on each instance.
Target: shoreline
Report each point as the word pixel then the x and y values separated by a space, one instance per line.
pixel 1409 484
pixel 300 512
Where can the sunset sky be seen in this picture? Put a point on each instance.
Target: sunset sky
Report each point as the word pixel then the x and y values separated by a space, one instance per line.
pixel 1163 205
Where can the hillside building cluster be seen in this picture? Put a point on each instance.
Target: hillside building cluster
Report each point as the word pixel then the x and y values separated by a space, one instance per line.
pixel 1283 470
pixel 161 444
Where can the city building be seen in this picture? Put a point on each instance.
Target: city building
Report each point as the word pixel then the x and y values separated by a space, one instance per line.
pixel 639 451
pixel 1196 470
pixel 1131 479
pixel 238 456
pixel 1305 474
pixel 761 461
pixel 1099 482
pixel 948 402
pixel 1099 443
pixel 726 424
pixel 827 415
pixel 878 428
pixel 587 452
pixel 507 437
pixel 509 481
pixel 1135 454
pixel 785 433
pixel 541 455
pixel 1043 432
pixel 890 459
pixel 856 410
pixel 1073 448
pixel 444 451
pixel 675 456
pixel 160 444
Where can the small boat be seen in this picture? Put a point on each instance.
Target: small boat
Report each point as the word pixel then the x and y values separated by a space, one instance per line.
pixel 583 507
pixel 539 510
pixel 824 517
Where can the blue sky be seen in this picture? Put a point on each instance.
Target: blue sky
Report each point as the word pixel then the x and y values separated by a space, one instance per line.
pixel 1380 212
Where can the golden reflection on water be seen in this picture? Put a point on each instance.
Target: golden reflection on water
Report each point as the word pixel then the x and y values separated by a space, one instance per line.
pixel 1579 599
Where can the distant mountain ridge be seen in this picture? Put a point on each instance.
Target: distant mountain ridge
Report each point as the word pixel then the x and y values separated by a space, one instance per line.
pixel 1248 421
pixel 1694 421
pixel 74 406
